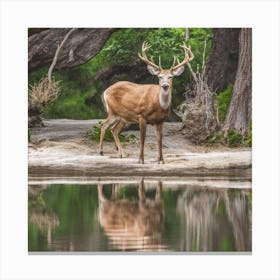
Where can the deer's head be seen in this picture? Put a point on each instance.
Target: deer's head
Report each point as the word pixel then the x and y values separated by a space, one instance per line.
pixel 165 75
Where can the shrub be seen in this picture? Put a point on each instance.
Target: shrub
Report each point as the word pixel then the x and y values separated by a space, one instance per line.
pixel 234 139
pixel 95 131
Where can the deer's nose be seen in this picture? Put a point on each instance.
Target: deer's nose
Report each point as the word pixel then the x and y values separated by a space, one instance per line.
pixel 165 86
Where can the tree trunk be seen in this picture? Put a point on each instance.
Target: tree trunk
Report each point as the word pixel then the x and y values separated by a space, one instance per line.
pixel 240 109
pixel 222 62
pixel 82 45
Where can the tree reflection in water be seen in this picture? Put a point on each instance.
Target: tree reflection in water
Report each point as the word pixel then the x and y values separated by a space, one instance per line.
pixel 131 217
pixel 215 220
pixel 132 225
pixel 42 218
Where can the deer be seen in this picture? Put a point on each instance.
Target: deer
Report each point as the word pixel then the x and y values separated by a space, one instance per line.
pixel 131 103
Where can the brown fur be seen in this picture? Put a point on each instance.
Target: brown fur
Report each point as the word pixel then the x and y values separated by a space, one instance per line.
pixel 132 225
pixel 129 101
pixel 133 103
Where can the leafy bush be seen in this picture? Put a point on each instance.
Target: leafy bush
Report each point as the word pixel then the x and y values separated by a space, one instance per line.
pixel 234 139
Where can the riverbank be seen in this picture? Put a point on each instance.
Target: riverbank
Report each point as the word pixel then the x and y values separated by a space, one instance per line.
pixel 61 149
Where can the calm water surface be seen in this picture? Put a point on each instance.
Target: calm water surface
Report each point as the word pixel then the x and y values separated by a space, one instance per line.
pixel 154 216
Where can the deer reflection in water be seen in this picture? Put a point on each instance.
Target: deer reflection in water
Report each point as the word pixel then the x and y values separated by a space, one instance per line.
pixel 132 225
pixel 203 211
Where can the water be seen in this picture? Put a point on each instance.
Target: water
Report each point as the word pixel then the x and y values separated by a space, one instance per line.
pixel 142 216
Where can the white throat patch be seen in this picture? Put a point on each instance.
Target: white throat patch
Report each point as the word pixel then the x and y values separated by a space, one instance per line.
pixel 164 99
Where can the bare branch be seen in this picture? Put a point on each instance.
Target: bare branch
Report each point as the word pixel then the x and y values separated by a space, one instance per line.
pixel 203 57
pixel 57 53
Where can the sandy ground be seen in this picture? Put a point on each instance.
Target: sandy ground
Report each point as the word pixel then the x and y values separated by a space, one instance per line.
pixel 61 150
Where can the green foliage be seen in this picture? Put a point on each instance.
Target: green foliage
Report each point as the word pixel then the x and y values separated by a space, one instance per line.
pixel 95 131
pixel 224 101
pixel 234 139
pixel 124 45
pixel 80 96
pixel 196 41
pixel 248 139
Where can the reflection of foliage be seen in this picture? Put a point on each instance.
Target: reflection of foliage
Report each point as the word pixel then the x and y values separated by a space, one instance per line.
pixel 44 220
pixel 171 218
pixel 221 209
pixel 75 207
pixel 41 221
pixel 41 201
pixel 217 220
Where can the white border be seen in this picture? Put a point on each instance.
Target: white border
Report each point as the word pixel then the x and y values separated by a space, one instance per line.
pixel 17 16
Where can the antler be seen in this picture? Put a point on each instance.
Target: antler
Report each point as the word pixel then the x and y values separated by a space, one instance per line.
pixel 188 57
pixel 144 57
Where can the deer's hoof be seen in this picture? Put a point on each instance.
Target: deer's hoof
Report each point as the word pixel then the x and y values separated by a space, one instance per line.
pixel 101 153
pixel 123 155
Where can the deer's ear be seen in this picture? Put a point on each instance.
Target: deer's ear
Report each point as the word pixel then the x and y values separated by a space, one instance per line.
pixel 178 71
pixel 153 70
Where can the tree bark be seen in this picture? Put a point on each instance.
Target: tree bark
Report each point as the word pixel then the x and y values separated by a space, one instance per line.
pixel 222 62
pixel 240 109
pixel 82 45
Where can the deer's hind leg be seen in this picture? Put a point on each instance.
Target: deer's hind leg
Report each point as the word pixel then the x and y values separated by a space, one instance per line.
pixel 116 130
pixel 111 120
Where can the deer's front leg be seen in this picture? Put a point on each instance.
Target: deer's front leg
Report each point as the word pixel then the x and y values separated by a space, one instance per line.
pixel 159 139
pixel 158 197
pixel 101 197
pixel 141 191
pixel 142 126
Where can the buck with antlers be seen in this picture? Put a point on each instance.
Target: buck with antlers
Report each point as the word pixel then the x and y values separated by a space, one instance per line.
pixel 128 103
